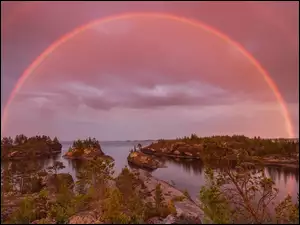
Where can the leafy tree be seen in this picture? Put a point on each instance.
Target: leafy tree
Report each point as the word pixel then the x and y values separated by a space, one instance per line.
pixel 243 194
pixel 287 211
pixel 56 167
pixel 95 173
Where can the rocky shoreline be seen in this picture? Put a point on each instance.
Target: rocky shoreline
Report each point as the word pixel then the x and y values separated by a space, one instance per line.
pixel 181 150
pixel 186 210
pixel 23 147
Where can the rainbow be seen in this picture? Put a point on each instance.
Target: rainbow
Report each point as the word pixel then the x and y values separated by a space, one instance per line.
pixel 38 61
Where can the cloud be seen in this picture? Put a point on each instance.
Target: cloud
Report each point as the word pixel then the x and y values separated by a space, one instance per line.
pixel 136 97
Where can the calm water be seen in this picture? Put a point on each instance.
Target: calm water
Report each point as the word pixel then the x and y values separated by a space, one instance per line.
pixel 187 175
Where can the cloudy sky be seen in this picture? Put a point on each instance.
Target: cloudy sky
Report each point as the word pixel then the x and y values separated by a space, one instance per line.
pixel 147 77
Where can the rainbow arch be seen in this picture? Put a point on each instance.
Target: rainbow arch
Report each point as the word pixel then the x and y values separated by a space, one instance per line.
pixel 38 61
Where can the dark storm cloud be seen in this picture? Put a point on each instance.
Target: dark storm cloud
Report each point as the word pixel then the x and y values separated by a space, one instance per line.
pixel 127 99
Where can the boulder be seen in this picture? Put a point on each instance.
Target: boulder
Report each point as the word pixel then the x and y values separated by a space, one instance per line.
pixel 88 217
pixel 177 152
pixel 188 154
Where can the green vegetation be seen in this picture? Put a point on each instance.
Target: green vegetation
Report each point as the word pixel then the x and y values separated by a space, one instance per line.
pixel 87 146
pixel 239 193
pixel 56 167
pixel 23 147
pixel 244 195
pixel 216 146
pixel 87 143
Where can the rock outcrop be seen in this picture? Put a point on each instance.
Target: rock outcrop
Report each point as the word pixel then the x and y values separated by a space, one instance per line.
pixel 87 153
pixel 187 211
pixel 142 160
pixel 87 217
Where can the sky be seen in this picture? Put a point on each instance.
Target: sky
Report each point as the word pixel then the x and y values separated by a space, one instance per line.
pixel 146 77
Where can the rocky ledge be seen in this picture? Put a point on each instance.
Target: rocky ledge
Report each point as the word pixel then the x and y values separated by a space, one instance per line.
pixel 187 211
pixel 176 150
pixel 140 160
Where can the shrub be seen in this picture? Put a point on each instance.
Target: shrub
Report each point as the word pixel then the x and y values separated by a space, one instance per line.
pixel 25 214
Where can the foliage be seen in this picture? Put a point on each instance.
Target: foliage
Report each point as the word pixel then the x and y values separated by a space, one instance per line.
pixel 186 194
pixel 95 173
pixel 214 203
pixel 32 146
pixel 243 194
pixel 25 213
pixel 113 208
pixel 56 167
pixel 178 198
pixel 287 211
pixel 217 145
pixel 64 206
pixel 87 143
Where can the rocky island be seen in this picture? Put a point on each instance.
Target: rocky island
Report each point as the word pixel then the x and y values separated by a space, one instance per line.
pixel 86 149
pixel 142 160
pixel 22 147
pixel 281 152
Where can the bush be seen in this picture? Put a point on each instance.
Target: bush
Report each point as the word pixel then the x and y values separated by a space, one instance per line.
pixel 25 214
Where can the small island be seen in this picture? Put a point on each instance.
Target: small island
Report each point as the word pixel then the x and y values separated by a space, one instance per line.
pixel 22 147
pixel 86 149
pixel 279 152
pixel 141 160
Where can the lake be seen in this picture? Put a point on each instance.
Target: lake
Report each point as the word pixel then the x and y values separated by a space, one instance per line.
pixel 185 174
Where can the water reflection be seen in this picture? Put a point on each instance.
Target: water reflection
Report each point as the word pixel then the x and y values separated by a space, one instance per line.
pixel 277 173
pixel 188 165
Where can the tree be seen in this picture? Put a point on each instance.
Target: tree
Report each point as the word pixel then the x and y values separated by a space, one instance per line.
pixel 139 146
pixel 20 139
pixel 56 167
pixel 243 194
pixel 95 173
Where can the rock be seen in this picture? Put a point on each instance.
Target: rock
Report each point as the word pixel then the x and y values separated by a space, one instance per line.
pixel 88 217
pixel 188 153
pixel 149 151
pixel 87 153
pixel 191 213
pixel 177 152
pixel 186 209
pixel 170 219
pixel 44 221
pixel 154 220
pixel 142 160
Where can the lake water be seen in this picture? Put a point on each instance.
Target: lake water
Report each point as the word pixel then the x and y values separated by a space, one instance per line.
pixel 187 175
